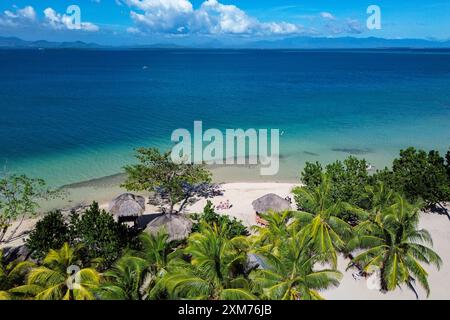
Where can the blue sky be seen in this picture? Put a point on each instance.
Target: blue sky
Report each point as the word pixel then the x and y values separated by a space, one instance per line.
pixel 232 21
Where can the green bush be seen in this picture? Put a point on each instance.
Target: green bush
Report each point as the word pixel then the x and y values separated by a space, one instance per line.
pixel 101 236
pixel 348 179
pixel 233 226
pixel 419 176
pixel 95 229
pixel 50 232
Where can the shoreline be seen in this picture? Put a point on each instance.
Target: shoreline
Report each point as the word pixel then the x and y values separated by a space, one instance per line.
pixel 104 189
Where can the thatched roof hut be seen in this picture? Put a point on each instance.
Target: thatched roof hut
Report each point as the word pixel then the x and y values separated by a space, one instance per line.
pixel 177 226
pixel 127 207
pixel 271 202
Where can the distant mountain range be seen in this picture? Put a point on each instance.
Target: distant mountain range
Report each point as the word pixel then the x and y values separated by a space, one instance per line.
pixel 348 43
pixel 12 42
pixel 287 43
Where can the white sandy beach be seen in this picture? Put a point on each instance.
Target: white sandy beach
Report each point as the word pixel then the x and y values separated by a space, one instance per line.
pixel 241 196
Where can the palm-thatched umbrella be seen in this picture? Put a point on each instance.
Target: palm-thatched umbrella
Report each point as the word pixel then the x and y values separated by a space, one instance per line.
pixel 271 202
pixel 177 226
pixel 127 207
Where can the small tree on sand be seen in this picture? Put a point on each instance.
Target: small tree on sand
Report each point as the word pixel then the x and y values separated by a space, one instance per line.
pixel 19 198
pixel 170 183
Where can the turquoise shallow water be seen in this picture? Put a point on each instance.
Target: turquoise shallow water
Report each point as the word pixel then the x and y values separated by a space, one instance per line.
pixel 74 115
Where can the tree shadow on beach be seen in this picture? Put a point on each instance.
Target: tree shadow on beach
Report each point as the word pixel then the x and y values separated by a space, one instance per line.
pixel 441 210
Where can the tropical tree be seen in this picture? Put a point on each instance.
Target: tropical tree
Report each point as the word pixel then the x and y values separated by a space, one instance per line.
pixel 215 270
pixel 233 226
pixel 124 280
pixel 394 245
pixel 100 235
pixel 275 232
pixel 12 274
pixel 19 198
pixel 319 220
pixel 60 277
pixel 380 197
pixel 288 273
pixel 347 178
pixel 419 176
pixel 169 182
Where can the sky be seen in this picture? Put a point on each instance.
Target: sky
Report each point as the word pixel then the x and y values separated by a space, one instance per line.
pixel 191 22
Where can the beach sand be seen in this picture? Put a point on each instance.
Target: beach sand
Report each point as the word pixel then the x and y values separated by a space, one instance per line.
pixel 241 196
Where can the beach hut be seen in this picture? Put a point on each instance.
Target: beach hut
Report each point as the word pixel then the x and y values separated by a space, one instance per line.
pixel 177 226
pixel 269 202
pixel 127 207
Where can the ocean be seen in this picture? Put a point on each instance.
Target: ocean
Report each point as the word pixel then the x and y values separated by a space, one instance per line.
pixel 70 116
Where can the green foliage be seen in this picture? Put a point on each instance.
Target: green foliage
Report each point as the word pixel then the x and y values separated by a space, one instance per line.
pixel 101 236
pixel 419 176
pixel 52 280
pixel 12 274
pixel 124 280
pixel 348 179
pixel 289 273
pixel 320 220
pixel 171 182
pixel 214 269
pixel 276 232
pixel 393 243
pixel 311 175
pixel 19 198
pixel 50 232
pixel 232 226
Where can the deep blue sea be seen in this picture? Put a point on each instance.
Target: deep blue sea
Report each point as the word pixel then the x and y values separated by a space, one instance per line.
pixel 74 115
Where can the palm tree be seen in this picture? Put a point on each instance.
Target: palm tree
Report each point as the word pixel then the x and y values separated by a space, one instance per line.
pixel 215 269
pixel 124 280
pixel 319 222
pixel 155 249
pixel 277 230
pixel 135 274
pixel 380 197
pixel 60 278
pixel 12 274
pixel 396 246
pixel 289 273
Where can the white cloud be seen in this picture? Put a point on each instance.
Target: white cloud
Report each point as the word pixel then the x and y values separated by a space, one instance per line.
pixel 27 17
pixel 24 16
pixel 59 21
pixel 212 17
pixel 327 15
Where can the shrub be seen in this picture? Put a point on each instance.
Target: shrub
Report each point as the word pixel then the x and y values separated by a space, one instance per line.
pixel 101 236
pixel 50 232
pixel 421 176
pixel 209 216
pixel 348 179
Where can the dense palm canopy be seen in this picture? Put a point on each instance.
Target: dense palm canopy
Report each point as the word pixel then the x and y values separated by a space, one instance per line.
pixel 11 275
pixel 124 280
pixel 394 244
pixel 213 270
pixel 320 221
pixel 276 231
pixel 60 278
pixel 289 274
